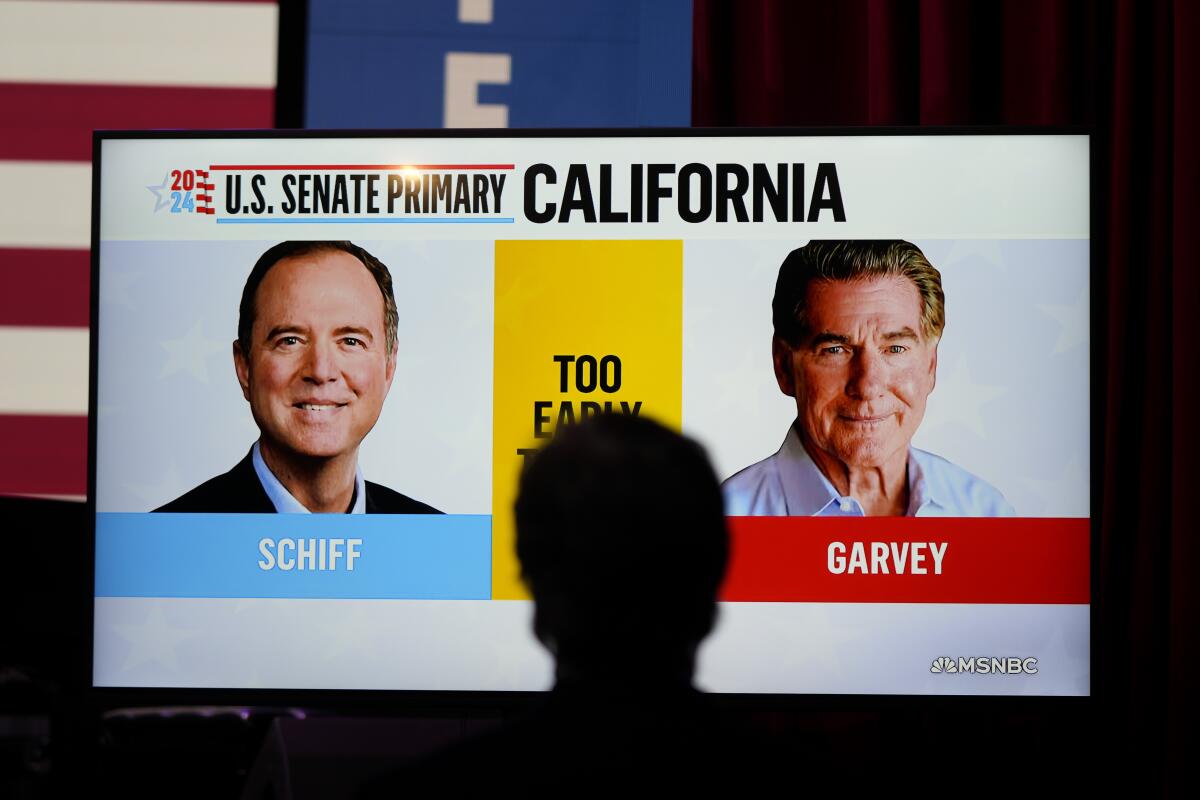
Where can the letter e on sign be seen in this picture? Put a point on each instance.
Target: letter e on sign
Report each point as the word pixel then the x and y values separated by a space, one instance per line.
pixel 464 73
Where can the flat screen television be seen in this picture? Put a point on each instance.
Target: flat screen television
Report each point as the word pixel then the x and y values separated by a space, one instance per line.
pixel 539 277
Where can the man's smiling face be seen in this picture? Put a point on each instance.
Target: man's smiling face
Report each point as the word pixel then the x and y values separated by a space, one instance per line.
pixel 318 370
pixel 864 371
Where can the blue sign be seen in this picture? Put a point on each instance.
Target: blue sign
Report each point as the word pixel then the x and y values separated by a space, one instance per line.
pixel 498 63
pixel 368 556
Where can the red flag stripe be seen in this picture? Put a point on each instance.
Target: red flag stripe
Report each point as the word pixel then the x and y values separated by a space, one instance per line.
pixel 57 88
pixel 795 559
pixel 43 455
pixel 54 122
pixel 44 288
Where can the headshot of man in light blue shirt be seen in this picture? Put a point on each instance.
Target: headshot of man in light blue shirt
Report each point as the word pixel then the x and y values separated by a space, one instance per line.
pixel 857 325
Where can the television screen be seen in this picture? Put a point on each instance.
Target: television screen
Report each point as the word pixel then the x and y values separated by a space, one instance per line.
pixel 882 340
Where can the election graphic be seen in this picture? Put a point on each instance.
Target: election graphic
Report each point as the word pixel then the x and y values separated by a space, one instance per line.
pixel 322 362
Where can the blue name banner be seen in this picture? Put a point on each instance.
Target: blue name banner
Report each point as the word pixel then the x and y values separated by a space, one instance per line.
pixel 498 63
pixel 384 556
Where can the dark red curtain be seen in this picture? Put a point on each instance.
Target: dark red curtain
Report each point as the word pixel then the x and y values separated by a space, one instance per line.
pixel 1128 69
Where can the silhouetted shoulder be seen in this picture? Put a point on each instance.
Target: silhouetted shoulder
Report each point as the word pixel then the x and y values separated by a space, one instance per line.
pixel 382 500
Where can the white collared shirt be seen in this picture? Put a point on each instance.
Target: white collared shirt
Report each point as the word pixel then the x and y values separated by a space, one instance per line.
pixel 282 499
pixel 789 484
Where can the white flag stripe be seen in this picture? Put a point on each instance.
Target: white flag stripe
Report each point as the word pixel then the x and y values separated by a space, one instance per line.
pixel 45 204
pixel 45 370
pixel 139 43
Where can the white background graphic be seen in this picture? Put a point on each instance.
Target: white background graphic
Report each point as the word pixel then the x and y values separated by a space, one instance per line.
pixel 1005 219
pixel 171 413
pixel 1011 403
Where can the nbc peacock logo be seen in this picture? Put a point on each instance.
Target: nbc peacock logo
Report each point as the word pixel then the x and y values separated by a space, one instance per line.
pixel 985 665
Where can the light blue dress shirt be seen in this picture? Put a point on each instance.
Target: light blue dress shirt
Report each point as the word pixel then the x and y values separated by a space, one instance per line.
pixel 282 499
pixel 789 484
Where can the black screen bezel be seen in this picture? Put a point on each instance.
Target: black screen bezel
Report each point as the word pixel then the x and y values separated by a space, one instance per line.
pixel 387 701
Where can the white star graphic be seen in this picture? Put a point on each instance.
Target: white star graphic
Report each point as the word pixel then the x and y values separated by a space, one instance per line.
pixel 115 285
pixel 986 250
pixel 1066 493
pixel 511 660
pixel 191 353
pixel 1067 657
pixel 475 304
pixel 817 639
pixel 153 640
pixel 959 398
pixel 340 630
pixel 243 605
pixel 162 490
pixel 460 460
pixel 797 638
pixel 159 191
pixel 701 314
pixel 1072 321
pixel 753 369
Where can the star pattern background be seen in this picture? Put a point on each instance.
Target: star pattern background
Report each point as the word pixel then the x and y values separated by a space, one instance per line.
pixel 1011 403
pixel 174 415
pixel 844 648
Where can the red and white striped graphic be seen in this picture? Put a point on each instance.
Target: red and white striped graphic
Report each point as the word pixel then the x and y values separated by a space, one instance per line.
pixel 67 68
pixel 204 195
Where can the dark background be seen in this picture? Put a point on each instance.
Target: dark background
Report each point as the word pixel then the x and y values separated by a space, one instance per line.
pixel 1127 70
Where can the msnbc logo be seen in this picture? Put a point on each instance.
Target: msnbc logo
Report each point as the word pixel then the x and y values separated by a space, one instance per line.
pixel 986 665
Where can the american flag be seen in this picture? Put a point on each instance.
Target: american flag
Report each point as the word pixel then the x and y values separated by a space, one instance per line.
pixel 68 67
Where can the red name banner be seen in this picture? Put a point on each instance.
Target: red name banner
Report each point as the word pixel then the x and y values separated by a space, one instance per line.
pixel 908 560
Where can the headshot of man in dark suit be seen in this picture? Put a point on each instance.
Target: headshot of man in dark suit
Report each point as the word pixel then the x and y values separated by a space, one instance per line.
pixel 315 356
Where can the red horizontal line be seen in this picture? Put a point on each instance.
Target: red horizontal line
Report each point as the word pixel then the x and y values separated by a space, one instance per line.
pixel 43 454
pixel 44 287
pixel 54 122
pixel 365 167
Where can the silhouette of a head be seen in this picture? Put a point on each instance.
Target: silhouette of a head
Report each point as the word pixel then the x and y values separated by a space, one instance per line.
pixel 622 541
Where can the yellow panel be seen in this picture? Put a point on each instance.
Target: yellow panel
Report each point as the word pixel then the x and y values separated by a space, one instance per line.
pixel 577 298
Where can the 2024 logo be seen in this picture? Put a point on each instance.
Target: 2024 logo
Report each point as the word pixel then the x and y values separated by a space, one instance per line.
pixel 184 191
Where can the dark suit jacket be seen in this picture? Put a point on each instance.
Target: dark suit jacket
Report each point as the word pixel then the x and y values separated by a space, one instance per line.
pixel 239 491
